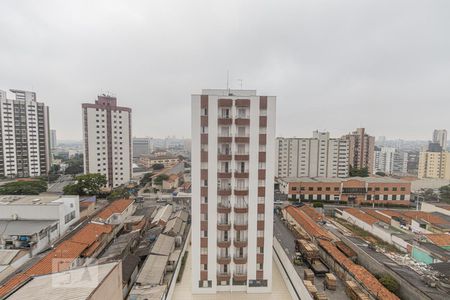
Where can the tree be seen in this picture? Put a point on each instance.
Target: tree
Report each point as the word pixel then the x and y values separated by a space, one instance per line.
pixel 356 172
pixel 428 195
pixel 380 174
pixel 445 193
pixel 88 184
pixel 119 193
pixel 34 187
pixel 389 282
pixel 157 167
pixel 146 179
pixel 75 165
pixel 160 178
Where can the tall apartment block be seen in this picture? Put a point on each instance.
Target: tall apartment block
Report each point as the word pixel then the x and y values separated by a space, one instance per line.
pixel 390 161
pixel 319 156
pixel 434 164
pixel 233 141
pixel 141 146
pixel 361 149
pixel 107 140
pixel 440 137
pixel 24 135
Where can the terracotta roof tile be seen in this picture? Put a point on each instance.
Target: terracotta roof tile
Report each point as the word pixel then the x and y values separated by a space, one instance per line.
pixel 378 215
pixel 360 273
pixel 311 212
pixel 307 223
pixel 61 258
pixel 439 239
pixel 366 218
pixel 115 207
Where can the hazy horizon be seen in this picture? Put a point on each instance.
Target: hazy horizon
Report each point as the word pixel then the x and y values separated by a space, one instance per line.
pixel 333 65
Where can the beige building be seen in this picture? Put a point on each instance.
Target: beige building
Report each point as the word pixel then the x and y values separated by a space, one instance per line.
pixel 434 165
pixel 361 149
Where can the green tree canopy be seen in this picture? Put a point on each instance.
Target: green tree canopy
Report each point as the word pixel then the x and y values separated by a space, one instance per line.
pixel 445 193
pixel 356 172
pixel 160 178
pixel 389 282
pixel 34 187
pixel 88 184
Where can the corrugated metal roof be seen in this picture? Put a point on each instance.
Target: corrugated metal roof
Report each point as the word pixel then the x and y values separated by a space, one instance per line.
pixel 153 270
pixel 24 227
pixel 7 256
pixel 163 245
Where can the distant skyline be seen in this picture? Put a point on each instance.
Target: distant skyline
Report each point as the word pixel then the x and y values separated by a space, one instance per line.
pixel 333 65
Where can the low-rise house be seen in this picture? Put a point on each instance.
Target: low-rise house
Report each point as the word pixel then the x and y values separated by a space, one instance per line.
pixel 149 160
pixel 164 245
pixel 435 207
pixel 162 216
pixel 172 182
pixel 130 270
pixel 101 281
pixel 116 212
pixel 429 253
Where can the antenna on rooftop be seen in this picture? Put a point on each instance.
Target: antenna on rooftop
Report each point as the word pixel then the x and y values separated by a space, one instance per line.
pixel 228 82
pixel 240 81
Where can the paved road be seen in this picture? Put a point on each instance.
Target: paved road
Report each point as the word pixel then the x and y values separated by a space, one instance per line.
pixel 58 186
pixel 286 239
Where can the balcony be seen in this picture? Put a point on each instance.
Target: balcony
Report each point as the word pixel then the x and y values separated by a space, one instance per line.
pixel 259 274
pixel 240 243
pixel 240 260
pixel 223 276
pixel 225 102
pixel 241 191
pixel 204 225
pixel 241 174
pixel 260 258
pixel 223 226
pixel 240 277
pixel 224 139
pixel 261 208
pixel 260 225
pixel 204 259
pixel 241 156
pixel 223 208
pixel 242 120
pixel 243 139
pixel 260 242
pixel 241 209
pixel 223 174
pixel 204 156
pixel 224 120
pixel 242 226
pixel 204 191
pixel 223 243
pixel 224 191
pixel 203 275
pixel 204 208
pixel 223 260
pixel 204 242
pixel 224 155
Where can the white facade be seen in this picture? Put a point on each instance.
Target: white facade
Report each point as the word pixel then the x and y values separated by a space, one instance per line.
pixel 24 135
pixel 233 139
pixel 60 212
pixel 107 140
pixel 390 161
pixel 319 156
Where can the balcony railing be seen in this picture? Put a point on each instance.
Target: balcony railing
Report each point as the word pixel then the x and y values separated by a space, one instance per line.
pixel 240 259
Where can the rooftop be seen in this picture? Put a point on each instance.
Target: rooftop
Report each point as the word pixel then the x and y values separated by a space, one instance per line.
pixel 67 251
pixel 152 271
pixel 307 223
pixel 32 199
pixel 359 272
pixel 442 240
pixel 116 207
pixel 24 227
pixel 163 245
pixel 332 179
pixel 82 283
pixel 366 218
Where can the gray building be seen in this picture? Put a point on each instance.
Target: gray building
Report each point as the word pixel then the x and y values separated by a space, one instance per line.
pixel 141 146
pixel 24 135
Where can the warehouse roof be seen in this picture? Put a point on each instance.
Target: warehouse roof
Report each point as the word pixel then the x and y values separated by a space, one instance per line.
pixel 163 245
pixel 366 218
pixel 307 223
pixel 116 207
pixel 24 227
pixel 153 270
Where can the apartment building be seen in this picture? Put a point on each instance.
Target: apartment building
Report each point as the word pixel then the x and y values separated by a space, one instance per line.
pixel 233 141
pixel 434 164
pixel 440 137
pixel 24 135
pixel 319 156
pixel 390 161
pixel 107 140
pixel 354 190
pixel 141 146
pixel 361 149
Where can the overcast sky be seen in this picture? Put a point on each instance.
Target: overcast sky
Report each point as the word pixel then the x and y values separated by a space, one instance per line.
pixel 334 65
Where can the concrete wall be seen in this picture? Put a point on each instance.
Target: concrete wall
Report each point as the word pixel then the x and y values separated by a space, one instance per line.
pixel 111 286
pixel 290 276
